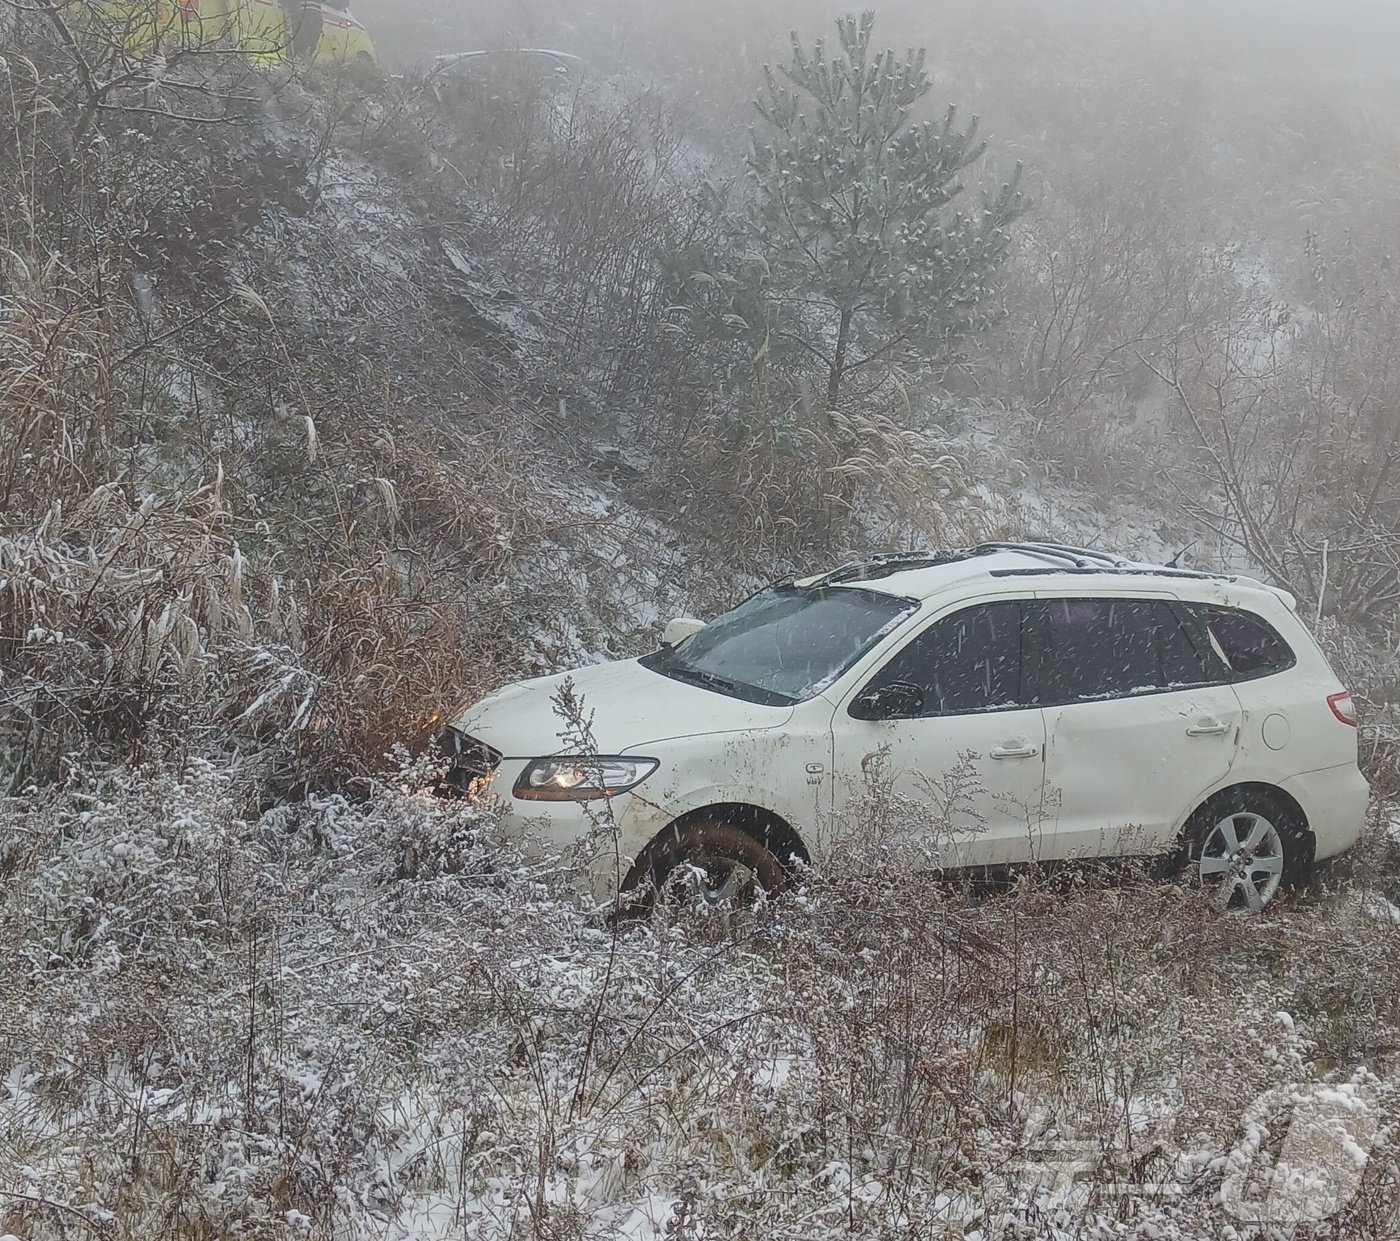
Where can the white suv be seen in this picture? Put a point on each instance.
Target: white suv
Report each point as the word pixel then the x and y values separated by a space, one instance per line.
pixel 1082 705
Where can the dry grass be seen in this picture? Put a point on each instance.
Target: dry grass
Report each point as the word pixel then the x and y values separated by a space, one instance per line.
pixel 792 483
pixel 149 593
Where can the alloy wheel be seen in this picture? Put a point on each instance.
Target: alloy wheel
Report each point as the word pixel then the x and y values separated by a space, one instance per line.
pixel 713 884
pixel 1241 862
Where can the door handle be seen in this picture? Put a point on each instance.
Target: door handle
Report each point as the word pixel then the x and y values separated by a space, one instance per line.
pixel 1022 749
pixel 1208 728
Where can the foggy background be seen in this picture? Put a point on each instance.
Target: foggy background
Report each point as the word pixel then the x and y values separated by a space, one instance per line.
pixel 1254 114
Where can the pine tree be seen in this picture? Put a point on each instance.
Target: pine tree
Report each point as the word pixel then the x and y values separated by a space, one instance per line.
pixel 864 261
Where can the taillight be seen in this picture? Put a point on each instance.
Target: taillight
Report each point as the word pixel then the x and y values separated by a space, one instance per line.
pixel 1343 707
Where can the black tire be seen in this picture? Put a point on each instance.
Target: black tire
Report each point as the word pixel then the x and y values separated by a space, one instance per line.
pixel 707 865
pixel 1254 841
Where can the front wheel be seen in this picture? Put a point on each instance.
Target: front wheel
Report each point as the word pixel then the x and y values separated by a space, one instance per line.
pixel 1242 849
pixel 710 868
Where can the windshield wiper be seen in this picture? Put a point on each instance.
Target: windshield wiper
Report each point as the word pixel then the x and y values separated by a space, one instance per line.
pixel 682 672
pixel 734 689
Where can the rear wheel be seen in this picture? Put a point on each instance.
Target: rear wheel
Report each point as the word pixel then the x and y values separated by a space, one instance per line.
pixel 1243 848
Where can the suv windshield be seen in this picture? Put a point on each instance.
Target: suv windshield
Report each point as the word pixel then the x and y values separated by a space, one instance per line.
pixel 785 644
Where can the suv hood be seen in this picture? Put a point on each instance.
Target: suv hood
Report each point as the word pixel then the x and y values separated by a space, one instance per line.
pixel 630 707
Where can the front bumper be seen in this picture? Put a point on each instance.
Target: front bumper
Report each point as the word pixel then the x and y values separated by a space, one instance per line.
pixel 594 842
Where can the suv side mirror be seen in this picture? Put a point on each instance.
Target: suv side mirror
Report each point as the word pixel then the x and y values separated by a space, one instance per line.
pixel 899 700
pixel 679 629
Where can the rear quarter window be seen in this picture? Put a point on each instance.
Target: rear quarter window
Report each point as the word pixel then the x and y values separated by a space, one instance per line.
pixel 1248 644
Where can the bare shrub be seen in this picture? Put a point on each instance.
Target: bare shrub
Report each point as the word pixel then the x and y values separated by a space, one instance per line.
pixel 1289 417
pixel 1096 280
pixel 582 190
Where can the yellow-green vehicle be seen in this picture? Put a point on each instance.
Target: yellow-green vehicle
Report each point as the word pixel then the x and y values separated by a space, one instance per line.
pixel 325 33
pixel 271 31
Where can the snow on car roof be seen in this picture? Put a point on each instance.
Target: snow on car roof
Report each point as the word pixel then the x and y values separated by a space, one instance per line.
pixel 920 575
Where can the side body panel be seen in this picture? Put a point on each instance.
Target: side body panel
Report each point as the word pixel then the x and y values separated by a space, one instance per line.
pixel 1120 775
pixel 967 787
pixel 1290 737
pixel 1122 772
pixel 344 40
pixel 783 771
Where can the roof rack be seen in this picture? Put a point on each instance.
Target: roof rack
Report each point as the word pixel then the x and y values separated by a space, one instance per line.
pixel 1126 570
pixel 1059 558
pixel 1079 557
pixel 871 568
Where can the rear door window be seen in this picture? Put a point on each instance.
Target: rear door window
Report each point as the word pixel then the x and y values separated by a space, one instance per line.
pixel 1185 653
pixel 1115 648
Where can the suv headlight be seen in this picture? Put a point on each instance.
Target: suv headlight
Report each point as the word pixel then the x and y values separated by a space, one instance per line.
pixel 583 777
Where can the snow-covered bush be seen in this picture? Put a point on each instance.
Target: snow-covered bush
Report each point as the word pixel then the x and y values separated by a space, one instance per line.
pixel 231 1023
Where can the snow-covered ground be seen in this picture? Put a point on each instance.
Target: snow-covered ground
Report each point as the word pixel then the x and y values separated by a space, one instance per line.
pixel 369 1021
